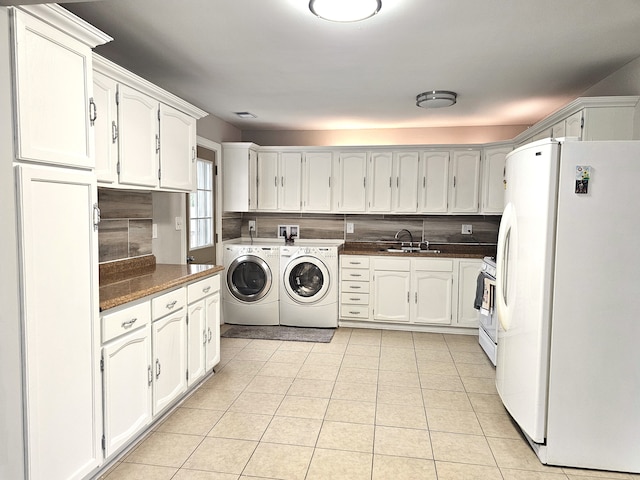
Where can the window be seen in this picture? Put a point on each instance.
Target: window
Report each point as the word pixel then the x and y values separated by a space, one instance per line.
pixel 201 207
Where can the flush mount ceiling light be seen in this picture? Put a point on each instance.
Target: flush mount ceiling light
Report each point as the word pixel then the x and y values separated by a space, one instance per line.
pixel 436 99
pixel 345 11
pixel 245 115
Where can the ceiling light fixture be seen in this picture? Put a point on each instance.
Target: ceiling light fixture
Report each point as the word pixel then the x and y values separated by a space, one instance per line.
pixel 345 11
pixel 245 115
pixel 436 99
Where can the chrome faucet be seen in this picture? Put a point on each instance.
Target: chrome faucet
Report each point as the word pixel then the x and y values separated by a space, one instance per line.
pixel 404 230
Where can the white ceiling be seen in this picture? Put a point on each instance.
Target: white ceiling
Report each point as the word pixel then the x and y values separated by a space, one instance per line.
pixel 511 61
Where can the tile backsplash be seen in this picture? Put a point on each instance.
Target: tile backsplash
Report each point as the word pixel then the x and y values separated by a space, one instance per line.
pixel 368 228
pixel 126 224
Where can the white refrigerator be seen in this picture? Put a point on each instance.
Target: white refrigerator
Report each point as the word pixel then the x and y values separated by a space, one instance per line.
pixel 568 299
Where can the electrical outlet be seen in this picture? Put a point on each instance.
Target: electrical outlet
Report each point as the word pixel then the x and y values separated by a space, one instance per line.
pixel 467 229
pixel 252 226
pixel 154 230
pixel 349 227
pixel 178 223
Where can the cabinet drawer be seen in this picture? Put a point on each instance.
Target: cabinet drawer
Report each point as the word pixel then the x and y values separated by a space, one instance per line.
pixel 355 298
pixel 355 262
pixel 202 288
pixel 354 311
pixel 169 302
pixel 353 286
pixel 433 264
pixel 355 274
pixel 125 320
pixel 394 264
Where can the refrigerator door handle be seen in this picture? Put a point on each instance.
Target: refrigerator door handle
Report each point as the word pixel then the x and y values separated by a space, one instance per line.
pixel 505 236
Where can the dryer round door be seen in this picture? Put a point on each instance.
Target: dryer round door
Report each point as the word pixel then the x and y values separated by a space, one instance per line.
pixel 306 279
pixel 249 278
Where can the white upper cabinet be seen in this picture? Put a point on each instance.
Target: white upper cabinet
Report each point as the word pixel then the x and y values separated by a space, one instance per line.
pixel 239 177
pixel 493 179
pixel 379 177
pixel 53 86
pixel 139 138
pixel 106 128
pixel 290 188
pixel 152 131
pixel 177 149
pixel 318 167
pixel 352 173
pixel 434 182
pixel 267 181
pixel 405 183
pixel 464 186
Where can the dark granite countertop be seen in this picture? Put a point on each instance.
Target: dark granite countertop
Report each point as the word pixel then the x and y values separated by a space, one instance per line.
pixel 129 280
pixel 447 250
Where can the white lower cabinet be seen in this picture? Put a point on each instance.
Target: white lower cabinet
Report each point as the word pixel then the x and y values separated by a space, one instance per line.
pixel 409 290
pixel 127 375
pixel 468 270
pixel 412 290
pixel 391 289
pixel 204 327
pixel 432 287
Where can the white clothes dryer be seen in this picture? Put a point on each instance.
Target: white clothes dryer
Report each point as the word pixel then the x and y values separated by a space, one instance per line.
pixel 309 289
pixel 251 291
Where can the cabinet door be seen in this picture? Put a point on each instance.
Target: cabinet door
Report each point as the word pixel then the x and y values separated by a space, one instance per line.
pixel 465 182
pixel 138 137
pixel 317 181
pixel 434 173
pixel 106 128
pixel 60 327
pixel 493 179
pixel 405 186
pixel 169 337
pixel 379 178
pixel 431 302
pixel 212 307
pixel 267 181
pixel 177 149
pixel 352 170
pixel 391 296
pixel 467 280
pixel 197 338
pixel 127 380
pixel 290 194
pixel 573 125
pixel 53 90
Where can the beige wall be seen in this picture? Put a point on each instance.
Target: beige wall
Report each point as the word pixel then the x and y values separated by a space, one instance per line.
pixel 217 130
pixel 392 136
pixel 625 81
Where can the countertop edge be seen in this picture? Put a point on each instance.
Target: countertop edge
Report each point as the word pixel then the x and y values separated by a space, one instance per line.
pixel 137 295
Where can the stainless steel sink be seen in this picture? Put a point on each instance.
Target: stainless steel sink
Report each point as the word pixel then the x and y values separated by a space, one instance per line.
pixel 410 250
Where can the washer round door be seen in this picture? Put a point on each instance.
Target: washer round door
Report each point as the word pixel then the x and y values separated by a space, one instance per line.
pixel 249 278
pixel 306 279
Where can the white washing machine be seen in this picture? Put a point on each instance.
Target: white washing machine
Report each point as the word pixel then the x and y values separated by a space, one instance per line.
pixel 309 289
pixel 251 292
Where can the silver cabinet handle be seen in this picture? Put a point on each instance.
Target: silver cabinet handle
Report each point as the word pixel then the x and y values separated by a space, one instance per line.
pixel 128 323
pixel 157 143
pixel 353 313
pixel 114 132
pixel 355 275
pixel 204 337
pixel 354 299
pixel 354 263
pixel 157 368
pixel 170 305
pixel 149 375
pixel 355 286
pixel 206 289
pixel 93 112
pixel 210 335
pixel 416 297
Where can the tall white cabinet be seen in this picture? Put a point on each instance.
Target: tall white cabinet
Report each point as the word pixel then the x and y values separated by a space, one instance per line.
pixel 57 257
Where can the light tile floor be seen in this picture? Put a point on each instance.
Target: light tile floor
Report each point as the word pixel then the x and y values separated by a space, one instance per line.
pixel 372 404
